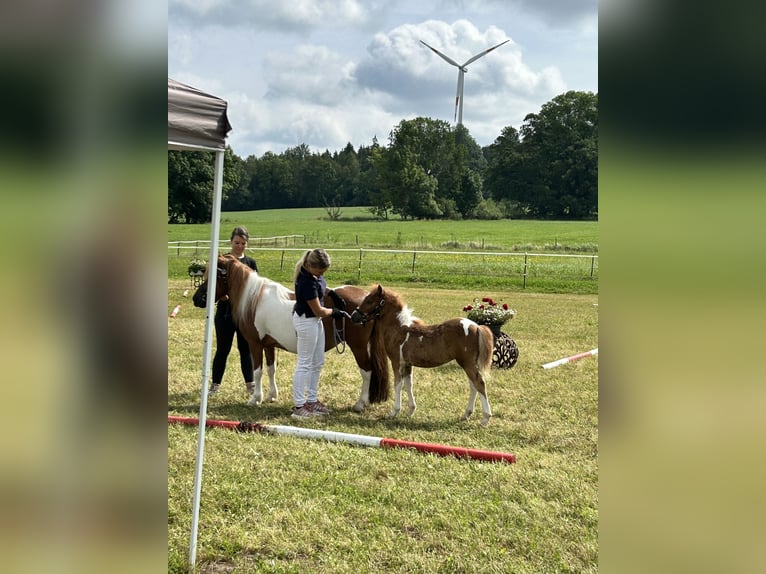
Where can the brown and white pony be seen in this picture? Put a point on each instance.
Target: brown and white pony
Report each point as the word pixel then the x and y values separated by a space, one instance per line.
pixel 408 342
pixel 262 309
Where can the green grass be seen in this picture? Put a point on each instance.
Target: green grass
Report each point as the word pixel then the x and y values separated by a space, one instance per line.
pixel 357 228
pixel 281 504
pixel 356 231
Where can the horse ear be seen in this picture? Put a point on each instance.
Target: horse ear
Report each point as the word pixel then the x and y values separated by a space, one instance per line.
pixel 380 289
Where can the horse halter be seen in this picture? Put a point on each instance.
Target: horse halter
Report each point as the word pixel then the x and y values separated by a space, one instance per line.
pixel 221 276
pixel 374 314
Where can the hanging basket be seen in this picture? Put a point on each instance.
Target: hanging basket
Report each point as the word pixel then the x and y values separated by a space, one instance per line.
pixel 506 353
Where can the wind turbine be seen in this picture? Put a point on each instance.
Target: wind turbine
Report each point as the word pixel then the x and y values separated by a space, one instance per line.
pixel 461 73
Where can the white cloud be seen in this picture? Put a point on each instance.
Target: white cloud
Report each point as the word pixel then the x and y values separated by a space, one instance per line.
pixel 326 73
pixel 296 15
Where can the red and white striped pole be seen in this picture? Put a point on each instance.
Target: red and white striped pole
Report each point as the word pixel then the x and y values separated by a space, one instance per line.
pixel 570 359
pixel 358 439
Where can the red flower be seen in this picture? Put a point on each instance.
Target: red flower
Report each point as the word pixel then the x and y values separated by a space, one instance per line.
pixel 467 307
pixel 505 306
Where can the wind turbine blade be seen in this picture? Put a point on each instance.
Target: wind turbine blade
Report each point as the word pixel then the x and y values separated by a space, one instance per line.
pixel 438 53
pixel 477 56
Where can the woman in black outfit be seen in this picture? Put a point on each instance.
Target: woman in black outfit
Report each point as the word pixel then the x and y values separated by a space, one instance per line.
pixel 225 327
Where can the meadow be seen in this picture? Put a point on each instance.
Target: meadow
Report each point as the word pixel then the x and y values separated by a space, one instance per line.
pixel 279 504
pixel 440 254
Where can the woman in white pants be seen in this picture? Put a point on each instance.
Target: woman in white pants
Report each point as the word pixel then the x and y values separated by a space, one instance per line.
pixel 310 287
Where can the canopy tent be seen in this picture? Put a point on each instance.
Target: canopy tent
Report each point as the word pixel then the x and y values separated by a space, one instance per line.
pixel 198 121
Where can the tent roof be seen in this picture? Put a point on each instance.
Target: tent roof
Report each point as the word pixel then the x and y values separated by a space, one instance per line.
pixel 196 120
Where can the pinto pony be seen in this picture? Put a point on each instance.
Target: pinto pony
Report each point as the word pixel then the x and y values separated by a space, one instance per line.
pixel 408 342
pixel 262 309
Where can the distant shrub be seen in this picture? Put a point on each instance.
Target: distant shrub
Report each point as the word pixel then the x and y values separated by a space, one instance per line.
pixel 488 209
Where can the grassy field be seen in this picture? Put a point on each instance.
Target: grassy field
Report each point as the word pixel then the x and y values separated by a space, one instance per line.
pixel 357 228
pixel 508 268
pixel 281 504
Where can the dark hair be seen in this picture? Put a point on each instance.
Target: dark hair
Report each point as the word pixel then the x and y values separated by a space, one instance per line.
pixel 241 231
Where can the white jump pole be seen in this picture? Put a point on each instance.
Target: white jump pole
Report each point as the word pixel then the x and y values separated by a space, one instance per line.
pixel 570 359
pixel 358 439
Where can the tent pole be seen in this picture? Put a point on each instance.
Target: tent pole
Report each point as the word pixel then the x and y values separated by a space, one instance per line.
pixel 209 312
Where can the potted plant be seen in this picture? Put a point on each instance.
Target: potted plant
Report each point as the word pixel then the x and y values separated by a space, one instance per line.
pixel 486 311
pixel 197 267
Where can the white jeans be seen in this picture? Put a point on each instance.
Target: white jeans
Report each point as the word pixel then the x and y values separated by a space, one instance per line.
pixel 310 333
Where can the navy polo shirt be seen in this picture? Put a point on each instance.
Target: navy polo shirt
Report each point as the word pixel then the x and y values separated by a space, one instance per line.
pixel 308 287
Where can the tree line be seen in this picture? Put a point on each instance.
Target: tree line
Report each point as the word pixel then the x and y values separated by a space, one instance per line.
pixel 548 169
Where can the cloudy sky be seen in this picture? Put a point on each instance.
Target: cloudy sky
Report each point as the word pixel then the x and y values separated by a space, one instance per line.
pixel 329 72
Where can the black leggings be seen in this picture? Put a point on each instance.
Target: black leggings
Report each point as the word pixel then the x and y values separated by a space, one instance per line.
pixel 224 334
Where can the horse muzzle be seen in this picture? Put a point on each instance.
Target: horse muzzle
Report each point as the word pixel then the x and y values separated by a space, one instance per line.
pixel 358 317
pixel 200 298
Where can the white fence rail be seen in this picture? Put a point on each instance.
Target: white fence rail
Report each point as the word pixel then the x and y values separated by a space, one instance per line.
pixel 401 263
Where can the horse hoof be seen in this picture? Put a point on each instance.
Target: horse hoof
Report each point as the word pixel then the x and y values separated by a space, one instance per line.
pixel 253 402
pixel 485 421
pixel 358 407
pixel 392 414
pixel 466 416
pixel 410 413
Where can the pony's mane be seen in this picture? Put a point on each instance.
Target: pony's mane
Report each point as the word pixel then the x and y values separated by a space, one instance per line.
pixel 405 316
pixel 252 285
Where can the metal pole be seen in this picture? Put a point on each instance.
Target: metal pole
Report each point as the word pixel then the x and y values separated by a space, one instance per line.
pixel 209 310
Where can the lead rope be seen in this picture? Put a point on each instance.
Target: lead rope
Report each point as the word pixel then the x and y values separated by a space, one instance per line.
pixel 339 336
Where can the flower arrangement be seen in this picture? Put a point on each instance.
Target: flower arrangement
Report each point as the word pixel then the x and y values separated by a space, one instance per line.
pixel 487 312
pixel 197 266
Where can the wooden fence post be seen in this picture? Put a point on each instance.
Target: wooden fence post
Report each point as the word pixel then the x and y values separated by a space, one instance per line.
pixel 525 270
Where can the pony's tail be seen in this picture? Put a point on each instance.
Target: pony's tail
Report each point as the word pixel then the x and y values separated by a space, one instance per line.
pixel 486 348
pixel 380 381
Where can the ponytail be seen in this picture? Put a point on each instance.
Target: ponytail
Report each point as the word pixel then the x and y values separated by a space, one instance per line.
pixel 314 258
pixel 299 265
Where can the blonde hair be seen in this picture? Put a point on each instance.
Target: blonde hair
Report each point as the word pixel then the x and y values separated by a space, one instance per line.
pixel 312 258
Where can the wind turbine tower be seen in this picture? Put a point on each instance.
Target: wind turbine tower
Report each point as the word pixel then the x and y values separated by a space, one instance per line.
pixel 460 75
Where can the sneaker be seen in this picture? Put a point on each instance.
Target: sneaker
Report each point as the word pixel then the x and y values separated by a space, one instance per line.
pixel 319 408
pixel 214 389
pixel 302 412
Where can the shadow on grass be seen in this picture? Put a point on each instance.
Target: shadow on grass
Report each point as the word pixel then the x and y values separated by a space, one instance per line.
pixel 187 405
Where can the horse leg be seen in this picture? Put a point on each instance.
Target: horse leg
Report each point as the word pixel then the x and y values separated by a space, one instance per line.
pixel 481 388
pixel 364 392
pixel 486 409
pixel 408 387
pixel 271 370
pixel 471 401
pixel 398 382
pixel 257 395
